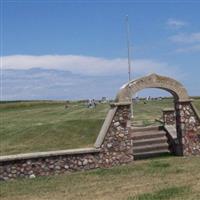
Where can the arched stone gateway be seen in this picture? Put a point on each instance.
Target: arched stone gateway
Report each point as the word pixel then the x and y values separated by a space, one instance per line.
pixel 152 81
pixel 187 120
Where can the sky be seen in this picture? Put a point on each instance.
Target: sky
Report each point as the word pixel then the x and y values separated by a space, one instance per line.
pixel 78 49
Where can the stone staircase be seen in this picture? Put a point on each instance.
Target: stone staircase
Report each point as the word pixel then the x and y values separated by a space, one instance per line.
pixel 149 142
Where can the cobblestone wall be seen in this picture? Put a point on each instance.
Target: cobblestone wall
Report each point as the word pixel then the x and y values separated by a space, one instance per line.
pixel 51 165
pixel 169 117
pixel 117 146
pixel 188 123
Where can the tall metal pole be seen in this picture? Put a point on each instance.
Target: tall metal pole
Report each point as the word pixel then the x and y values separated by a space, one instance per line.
pixel 128 48
pixel 129 61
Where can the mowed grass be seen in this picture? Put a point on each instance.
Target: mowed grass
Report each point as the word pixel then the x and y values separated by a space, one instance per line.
pixel 42 126
pixel 47 125
pixel 146 112
pixel 197 104
pixel 167 178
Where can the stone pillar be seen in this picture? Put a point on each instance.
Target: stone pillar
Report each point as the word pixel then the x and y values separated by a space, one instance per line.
pixel 180 130
pixel 117 145
pixel 187 127
pixel 169 116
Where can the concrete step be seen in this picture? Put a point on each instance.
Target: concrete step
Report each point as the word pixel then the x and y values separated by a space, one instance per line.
pixel 148 128
pixel 149 141
pixel 150 147
pixel 147 134
pixel 151 154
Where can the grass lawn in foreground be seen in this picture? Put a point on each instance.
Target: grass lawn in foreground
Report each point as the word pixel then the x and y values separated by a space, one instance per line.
pixel 42 125
pixel 167 178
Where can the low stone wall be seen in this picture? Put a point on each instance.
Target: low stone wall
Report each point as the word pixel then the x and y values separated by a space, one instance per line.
pixel 115 148
pixel 48 163
pixel 169 116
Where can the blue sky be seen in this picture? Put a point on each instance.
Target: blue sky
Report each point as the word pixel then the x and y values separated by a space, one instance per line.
pixel 78 48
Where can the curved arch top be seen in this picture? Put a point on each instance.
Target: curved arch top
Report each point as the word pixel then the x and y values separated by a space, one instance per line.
pixel 153 81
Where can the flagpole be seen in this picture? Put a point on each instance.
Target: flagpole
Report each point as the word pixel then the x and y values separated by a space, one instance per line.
pixel 129 61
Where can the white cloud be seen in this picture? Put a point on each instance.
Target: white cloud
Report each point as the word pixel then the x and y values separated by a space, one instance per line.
pixel 192 48
pixel 86 64
pixel 188 42
pixel 175 24
pixel 184 38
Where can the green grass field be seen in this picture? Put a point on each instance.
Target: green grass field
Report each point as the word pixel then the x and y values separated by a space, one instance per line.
pixel 43 126
pixel 34 126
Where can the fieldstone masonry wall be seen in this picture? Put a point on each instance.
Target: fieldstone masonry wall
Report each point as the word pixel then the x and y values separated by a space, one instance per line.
pixel 51 165
pixel 169 117
pixel 116 149
pixel 188 126
pixel 117 146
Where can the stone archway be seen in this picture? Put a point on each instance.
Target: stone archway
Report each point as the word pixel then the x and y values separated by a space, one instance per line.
pixel 187 118
pixel 153 81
